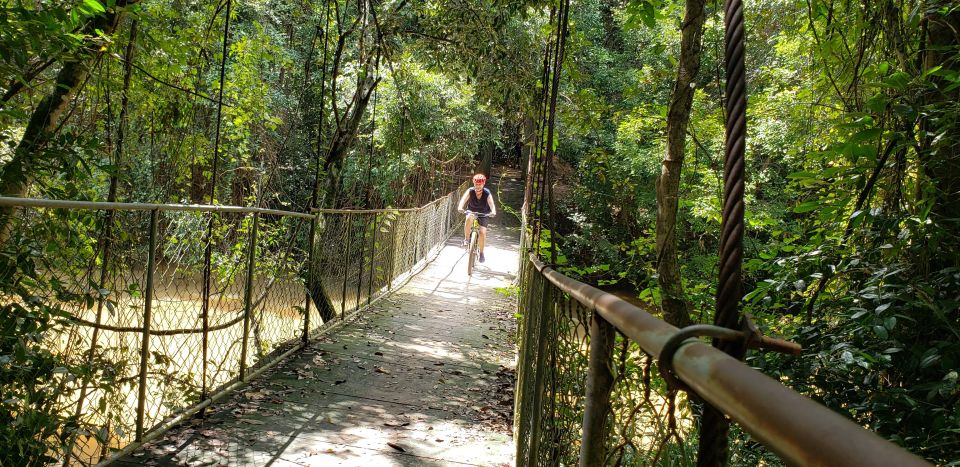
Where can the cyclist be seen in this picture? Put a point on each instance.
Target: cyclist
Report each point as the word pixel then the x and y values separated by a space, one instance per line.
pixel 477 200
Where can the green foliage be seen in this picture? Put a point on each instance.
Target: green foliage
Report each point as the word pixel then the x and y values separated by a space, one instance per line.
pixel 851 243
pixel 35 415
pixel 849 246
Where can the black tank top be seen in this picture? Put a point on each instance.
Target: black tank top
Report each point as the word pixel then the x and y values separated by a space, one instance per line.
pixel 478 204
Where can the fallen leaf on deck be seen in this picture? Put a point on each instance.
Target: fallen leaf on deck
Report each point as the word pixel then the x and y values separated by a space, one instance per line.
pixel 252 421
pixel 381 370
pixel 339 381
pixel 396 446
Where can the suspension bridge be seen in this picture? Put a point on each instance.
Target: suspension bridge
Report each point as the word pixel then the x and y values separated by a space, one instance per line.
pixel 422 376
pixel 356 337
pixel 342 336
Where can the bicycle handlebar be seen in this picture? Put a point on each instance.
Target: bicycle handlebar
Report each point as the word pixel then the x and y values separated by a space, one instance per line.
pixel 478 214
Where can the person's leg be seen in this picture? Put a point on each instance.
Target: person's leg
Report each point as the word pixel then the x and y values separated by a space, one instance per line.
pixel 466 229
pixel 483 238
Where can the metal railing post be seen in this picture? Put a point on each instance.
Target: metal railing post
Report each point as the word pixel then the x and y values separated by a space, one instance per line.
pixel 363 251
pixel 373 257
pixel 346 261
pixel 394 231
pixel 248 294
pixel 599 385
pixel 147 309
pixel 310 279
pixel 417 237
pixel 545 311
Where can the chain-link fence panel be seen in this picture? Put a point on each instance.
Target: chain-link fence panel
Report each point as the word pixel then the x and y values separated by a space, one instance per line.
pixel 645 424
pixel 141 312
pixel 358 255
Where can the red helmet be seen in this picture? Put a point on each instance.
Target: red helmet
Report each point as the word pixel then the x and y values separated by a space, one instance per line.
pixel 479 178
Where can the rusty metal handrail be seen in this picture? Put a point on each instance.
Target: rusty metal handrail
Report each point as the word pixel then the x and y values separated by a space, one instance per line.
pixel 8 201
pixel 799 430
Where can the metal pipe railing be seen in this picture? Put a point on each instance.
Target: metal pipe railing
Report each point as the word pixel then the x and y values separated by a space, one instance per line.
pixel 7 201
pixel 799 430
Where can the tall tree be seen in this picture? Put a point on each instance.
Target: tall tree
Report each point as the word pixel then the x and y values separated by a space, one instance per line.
pixel 942 136
pixel 675 308
pixel 17 175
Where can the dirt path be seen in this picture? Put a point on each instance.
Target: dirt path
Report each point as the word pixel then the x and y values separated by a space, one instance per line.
pixel 424 377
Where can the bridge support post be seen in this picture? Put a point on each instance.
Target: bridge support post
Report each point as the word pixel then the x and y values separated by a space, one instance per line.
pixel 599 385
pixel 373 258
pixel 363 251
pixel 546 314
pixel 147 310
pixel 310 279
pixel 348 225
pixel 248 294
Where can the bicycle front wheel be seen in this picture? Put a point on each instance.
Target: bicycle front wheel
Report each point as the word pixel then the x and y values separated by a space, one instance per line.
pixel 472 258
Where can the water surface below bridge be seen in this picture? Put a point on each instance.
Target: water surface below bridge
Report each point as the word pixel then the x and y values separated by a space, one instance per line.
pixel 422 377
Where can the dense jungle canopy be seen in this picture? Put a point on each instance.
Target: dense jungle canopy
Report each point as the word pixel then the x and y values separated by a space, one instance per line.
pixel 852 245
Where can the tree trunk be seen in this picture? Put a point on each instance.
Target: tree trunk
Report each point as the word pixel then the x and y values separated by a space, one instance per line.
pixel 942 162
pixel 675 308
pixel 17 175
pixel 340 145
pixel 526 144
pixel 343 139
pixel 486 157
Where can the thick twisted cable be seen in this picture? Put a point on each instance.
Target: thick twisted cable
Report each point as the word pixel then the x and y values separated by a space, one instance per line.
pixel 714 425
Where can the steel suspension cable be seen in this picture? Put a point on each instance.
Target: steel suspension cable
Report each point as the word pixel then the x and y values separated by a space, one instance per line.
pixel 714 425
pixel 551 124
pixel 323 91
pixel 208 250
pixel 536 174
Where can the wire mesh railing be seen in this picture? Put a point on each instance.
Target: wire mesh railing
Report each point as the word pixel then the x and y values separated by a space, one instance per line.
pixel 161 330
pixel 360 254
pixel 590 390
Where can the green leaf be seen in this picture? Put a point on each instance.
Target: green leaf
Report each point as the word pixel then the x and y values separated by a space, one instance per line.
pixel 865 135
pixel 806 206
pixel 898 81
pixel 929 360
pixel 93 6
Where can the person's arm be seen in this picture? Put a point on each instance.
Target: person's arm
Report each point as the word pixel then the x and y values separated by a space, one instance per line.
pixel 463 201
pixel 493 207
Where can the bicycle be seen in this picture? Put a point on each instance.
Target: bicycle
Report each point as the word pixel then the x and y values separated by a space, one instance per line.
pixel 474 249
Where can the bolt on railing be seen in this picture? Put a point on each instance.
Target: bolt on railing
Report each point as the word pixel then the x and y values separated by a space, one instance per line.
pixel 587 394
pixel 269 270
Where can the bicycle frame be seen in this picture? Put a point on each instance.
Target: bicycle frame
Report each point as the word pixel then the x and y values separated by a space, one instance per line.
pixel 474 245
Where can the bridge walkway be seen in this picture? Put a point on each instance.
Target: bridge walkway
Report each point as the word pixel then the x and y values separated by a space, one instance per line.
pixel 422 377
